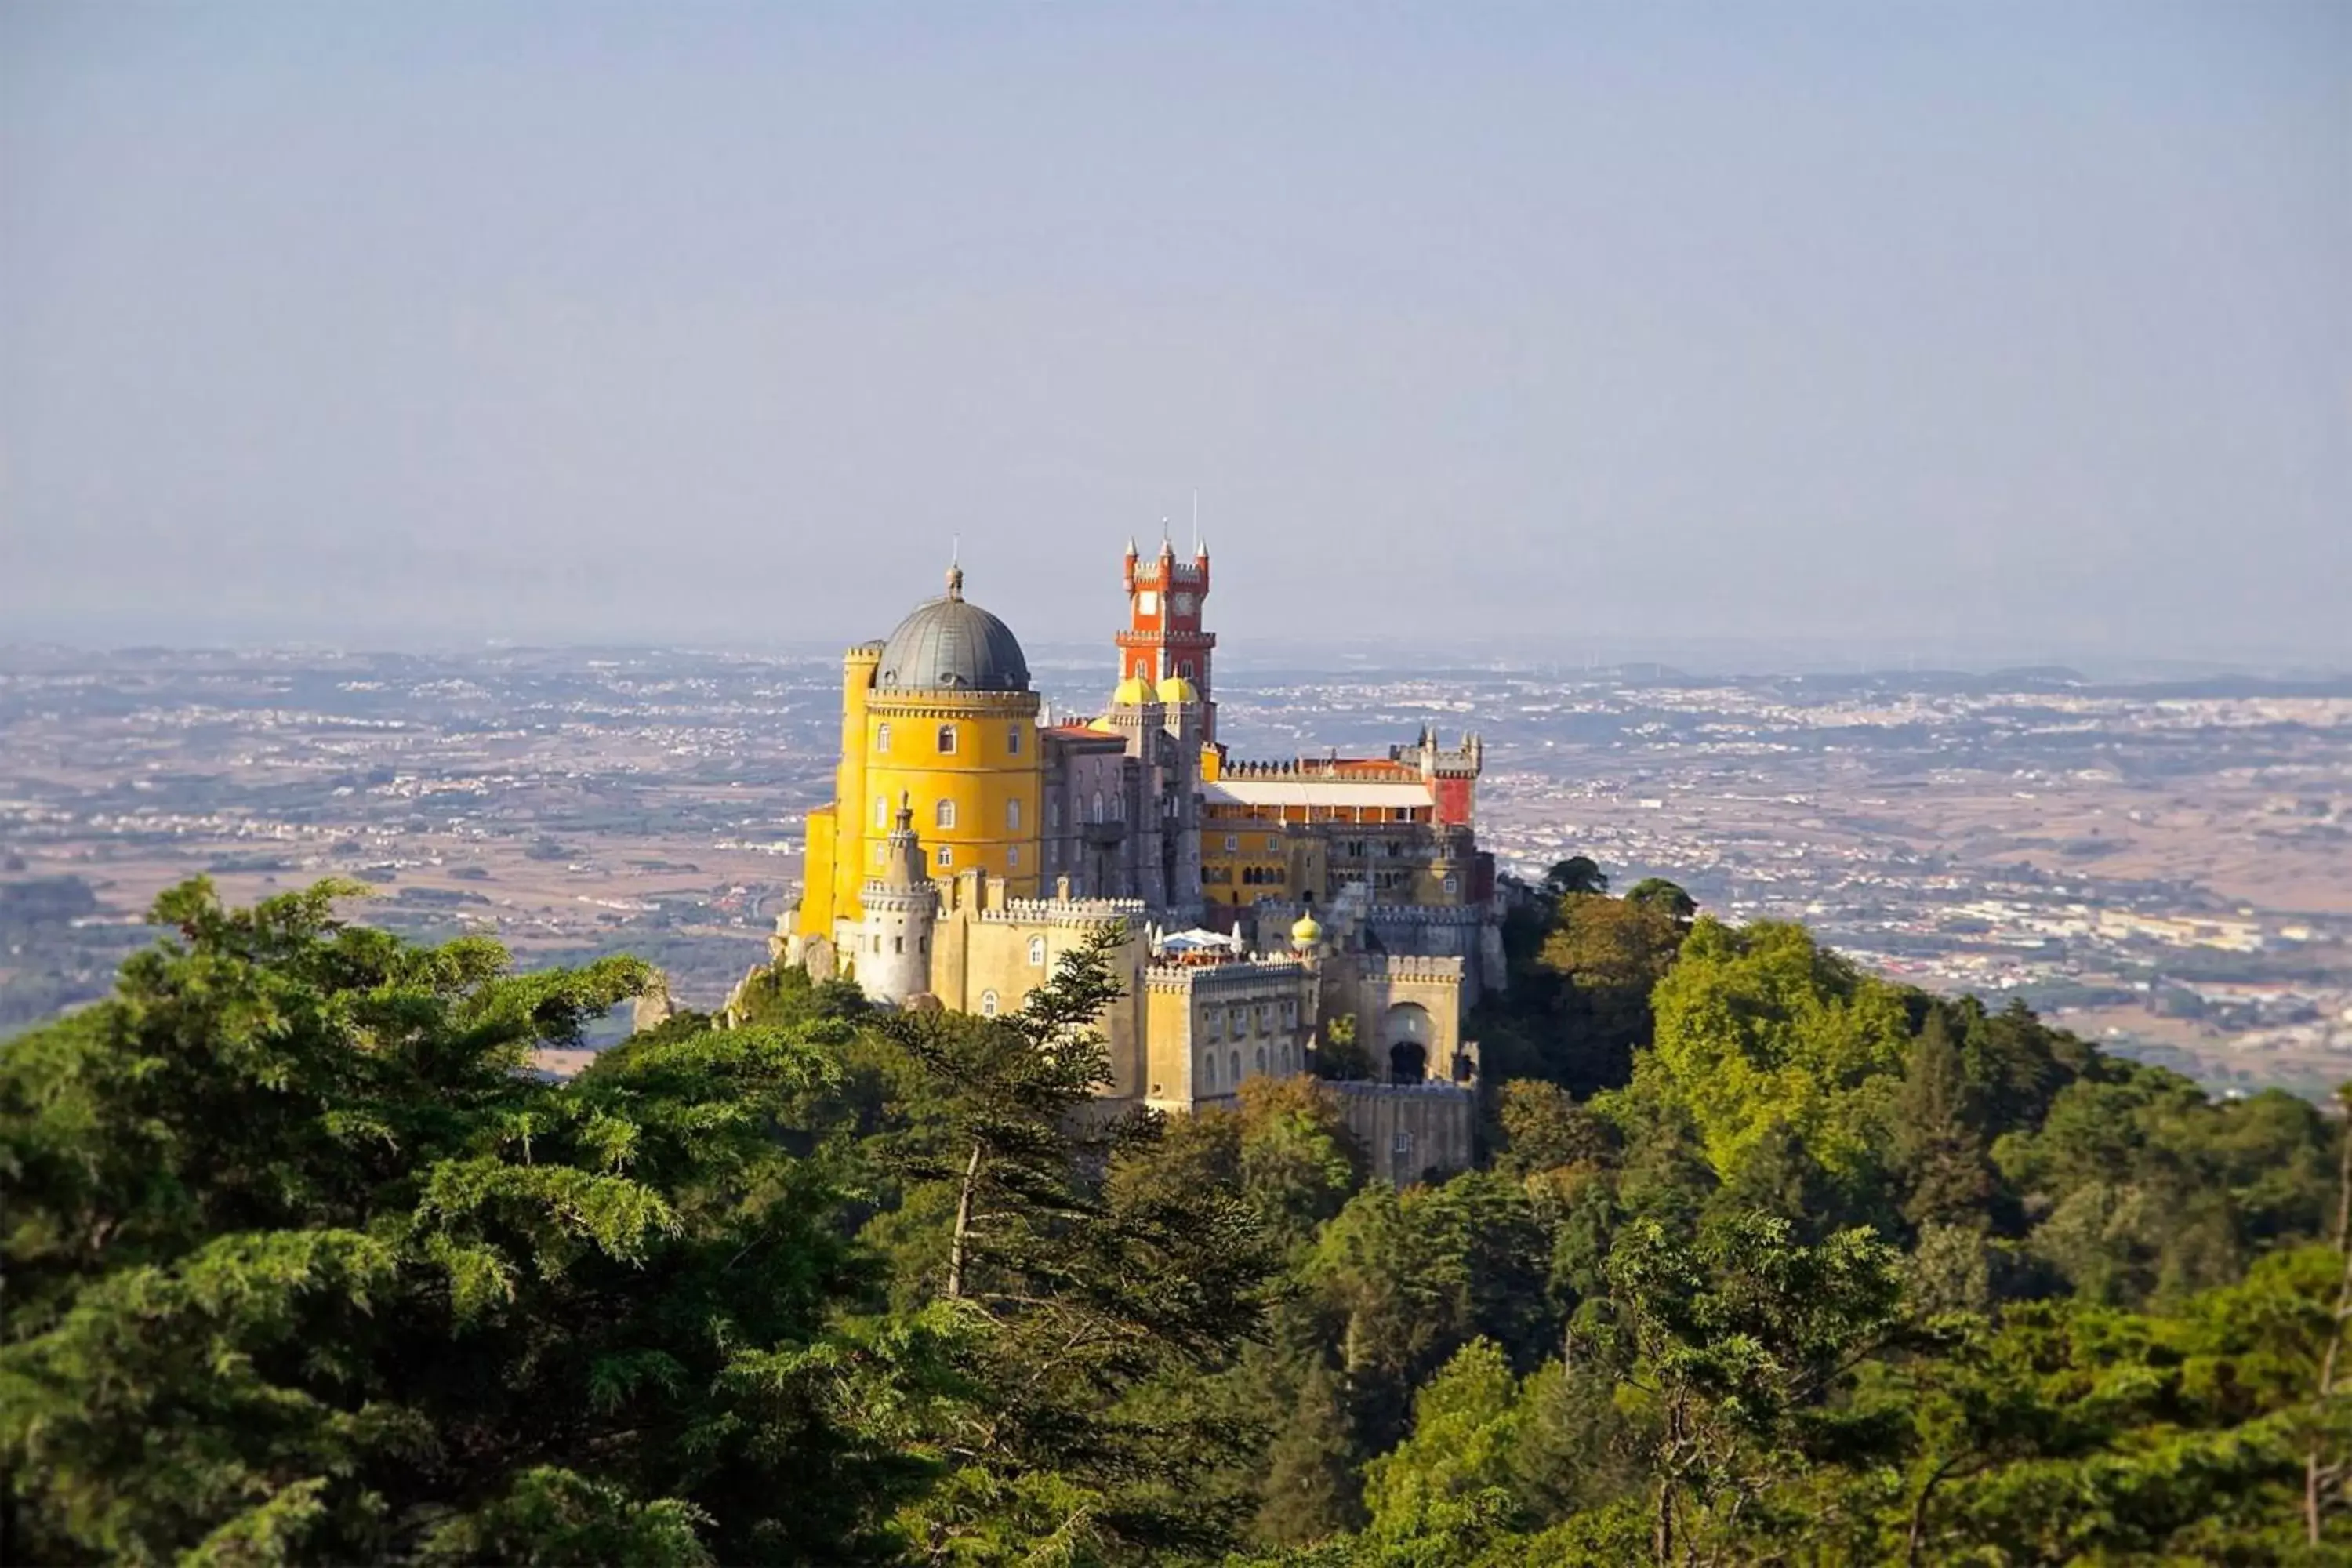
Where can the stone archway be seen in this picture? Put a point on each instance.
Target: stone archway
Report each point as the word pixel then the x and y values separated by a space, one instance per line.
pixel 1406 1030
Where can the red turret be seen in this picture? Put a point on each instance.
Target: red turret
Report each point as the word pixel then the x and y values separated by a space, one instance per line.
pixel 1164 635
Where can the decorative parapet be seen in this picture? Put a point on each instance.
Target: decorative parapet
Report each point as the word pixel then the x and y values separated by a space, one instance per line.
pixel 1066 912
pixel 1425 914
pixel 1215 976
pixel 1404 967
pixel 949 703
pixel 1148 569
pixel 1353 770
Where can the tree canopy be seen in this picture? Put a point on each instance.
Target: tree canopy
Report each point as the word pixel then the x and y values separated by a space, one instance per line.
pixel 305 1263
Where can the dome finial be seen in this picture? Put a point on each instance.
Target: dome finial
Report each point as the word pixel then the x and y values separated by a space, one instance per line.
pixel 955 582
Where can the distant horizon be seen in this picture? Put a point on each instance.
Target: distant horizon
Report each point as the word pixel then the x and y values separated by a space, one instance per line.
pixel 1719 659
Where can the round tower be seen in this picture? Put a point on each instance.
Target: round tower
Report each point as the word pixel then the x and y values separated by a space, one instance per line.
pixel 893 961
pixel 951 724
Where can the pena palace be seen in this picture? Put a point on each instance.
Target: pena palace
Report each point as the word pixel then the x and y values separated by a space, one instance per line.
pixel 1264 909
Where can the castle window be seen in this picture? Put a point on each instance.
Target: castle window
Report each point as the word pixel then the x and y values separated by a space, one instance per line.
pixel 946 814
pixel 882 737
pixel 1261 1058
pixel 897 944
pixel 1453 884
pixel 1185 669
pixel 947 740
pixel 1053 812
pixel 1217 1023
pixel 881 811
pixel 1234 1061
pixel 1013 858
pixel 1098 806
pixel 988 1004
pixel 1402 1145
pixel 1037 951
pixel 947 856
pixel 1233 843
pixel 1013 742
pixel 1012 816
pixel 1208 1069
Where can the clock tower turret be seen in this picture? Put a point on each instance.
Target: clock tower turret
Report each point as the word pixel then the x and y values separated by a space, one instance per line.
pixel 1164 639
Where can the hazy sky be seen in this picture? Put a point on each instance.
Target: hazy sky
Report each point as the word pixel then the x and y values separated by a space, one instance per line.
pixel 1988 326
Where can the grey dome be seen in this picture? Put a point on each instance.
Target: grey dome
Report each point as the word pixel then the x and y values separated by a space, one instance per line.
pixel 949 644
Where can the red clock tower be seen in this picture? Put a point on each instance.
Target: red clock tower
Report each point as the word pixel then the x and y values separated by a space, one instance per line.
pixel 1163 636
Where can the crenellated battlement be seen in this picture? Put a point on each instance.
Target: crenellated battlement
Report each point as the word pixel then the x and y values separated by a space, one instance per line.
pixel 1425 915
pixel 1065 913
pixel 1354 769
pixel 1148 573
pixel 1238 975
pixel 1404 967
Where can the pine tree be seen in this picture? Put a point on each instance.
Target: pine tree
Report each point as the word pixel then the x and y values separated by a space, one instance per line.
pixel 304 1263
pixel 1937 1140
pixel 1071 1300
pixel 1311 1489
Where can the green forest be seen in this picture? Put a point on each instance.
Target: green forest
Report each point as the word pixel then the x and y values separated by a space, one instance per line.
pixel 1766 1260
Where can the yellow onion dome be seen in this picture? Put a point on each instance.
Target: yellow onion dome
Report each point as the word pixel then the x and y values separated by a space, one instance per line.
pixel 1176 689
pixel 1307 932
pixel 1131 693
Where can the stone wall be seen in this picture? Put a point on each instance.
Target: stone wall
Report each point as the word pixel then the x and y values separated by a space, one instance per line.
pixel 1411 1131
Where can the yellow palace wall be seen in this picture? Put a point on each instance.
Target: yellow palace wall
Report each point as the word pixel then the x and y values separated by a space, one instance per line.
pixel 994 780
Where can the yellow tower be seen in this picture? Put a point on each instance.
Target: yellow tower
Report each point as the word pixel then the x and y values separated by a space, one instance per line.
pixel 942 715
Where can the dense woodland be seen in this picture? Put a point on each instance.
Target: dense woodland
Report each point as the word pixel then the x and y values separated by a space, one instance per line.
pixel 1769 1260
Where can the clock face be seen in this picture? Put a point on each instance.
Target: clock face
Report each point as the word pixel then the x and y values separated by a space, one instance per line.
pixel 1180 603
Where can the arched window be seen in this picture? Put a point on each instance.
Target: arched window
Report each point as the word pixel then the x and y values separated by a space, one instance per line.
pixel 1013 857
pixel 1208 1069
pixel 946 814
pixel 1234 1061
pixel 988 1004
pixel 1261 1058
pixel 1098 806
pixel 1013 742
pixel 1037 951
pixel 947 857
pixel 1185 669
pixel 882 737
pixel 1012 816
pixel 947 740
pixel 881 811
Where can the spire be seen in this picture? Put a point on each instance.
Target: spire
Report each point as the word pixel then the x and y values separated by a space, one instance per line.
pixel 902 860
